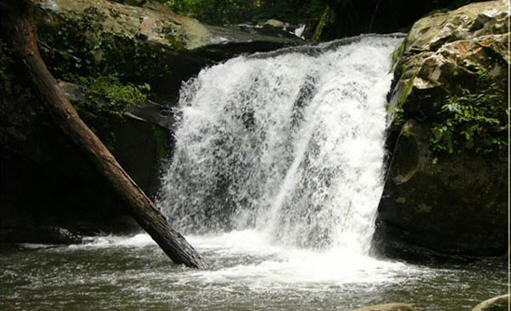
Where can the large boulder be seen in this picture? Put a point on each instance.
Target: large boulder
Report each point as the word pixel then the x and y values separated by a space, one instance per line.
pixel 146 44
pixel 153 22
pixel 445 193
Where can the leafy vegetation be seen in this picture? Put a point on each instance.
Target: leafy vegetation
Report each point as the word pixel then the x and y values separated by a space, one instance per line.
pixel 106 94
pixel 83 48
pixel 106 66
pixel 475 120
pixel 243 11
pixel 112 67
pixel 76 47
pixel 103 102
pixel 221 12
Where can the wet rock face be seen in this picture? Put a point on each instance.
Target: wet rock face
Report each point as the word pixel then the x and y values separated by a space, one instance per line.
pixel 446 190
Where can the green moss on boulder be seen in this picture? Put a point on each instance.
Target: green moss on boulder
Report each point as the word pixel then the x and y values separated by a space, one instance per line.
pixel 446 190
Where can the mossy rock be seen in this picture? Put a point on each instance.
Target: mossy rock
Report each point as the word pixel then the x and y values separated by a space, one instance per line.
pixel 153 22
pixel 445 193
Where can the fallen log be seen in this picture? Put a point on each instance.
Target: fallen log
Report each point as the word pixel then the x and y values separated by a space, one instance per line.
pixel 17 25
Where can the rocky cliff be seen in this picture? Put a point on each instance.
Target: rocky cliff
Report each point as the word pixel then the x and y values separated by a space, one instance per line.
pixel 446 190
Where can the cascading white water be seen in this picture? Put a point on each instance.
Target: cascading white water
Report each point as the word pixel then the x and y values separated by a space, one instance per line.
pixel 289 144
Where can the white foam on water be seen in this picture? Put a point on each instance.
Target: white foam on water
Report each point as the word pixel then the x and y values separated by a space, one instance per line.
pixel 250 259
pixel 272 265
pixel 138 240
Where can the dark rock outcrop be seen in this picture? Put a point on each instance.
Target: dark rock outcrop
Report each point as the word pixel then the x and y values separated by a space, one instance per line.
pixel 445 195
pixel 44 183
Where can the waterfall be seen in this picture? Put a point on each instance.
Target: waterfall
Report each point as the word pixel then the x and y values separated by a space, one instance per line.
pixel 288 143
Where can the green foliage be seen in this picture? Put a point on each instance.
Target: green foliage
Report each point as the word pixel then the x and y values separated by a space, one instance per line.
pixel 112 88
pixel 76 55
pixel 82 47
pixel 475 120
pixel 106 95
pixel 76 47
pixel 242 11
pixel 105 102
pixel 220 12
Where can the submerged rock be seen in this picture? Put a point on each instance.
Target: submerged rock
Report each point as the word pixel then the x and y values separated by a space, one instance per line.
pixel 446 190
pixel 388 307
pixel 40 235
pixel 500 303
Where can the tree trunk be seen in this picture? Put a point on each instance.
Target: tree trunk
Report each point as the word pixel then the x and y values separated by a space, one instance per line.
pixel 18 25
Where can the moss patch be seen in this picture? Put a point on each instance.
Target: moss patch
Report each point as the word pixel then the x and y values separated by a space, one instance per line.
pixel 105 101
pixel 108 95
pixel 398 53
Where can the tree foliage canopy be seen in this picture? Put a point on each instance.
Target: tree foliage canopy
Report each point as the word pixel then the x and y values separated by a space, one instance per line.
pixel 242 11
pixel 350 16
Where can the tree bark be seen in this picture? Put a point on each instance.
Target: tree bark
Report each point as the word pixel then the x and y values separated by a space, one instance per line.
pixel 19 27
